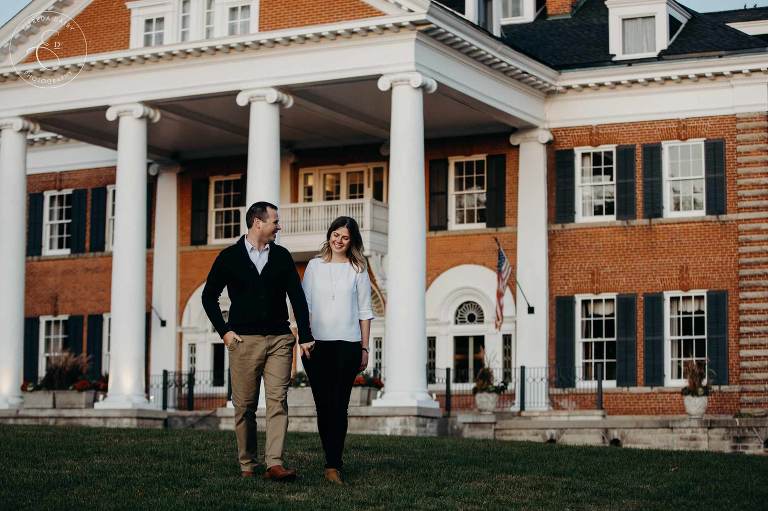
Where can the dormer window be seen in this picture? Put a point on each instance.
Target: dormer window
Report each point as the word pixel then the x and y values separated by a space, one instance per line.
pixel 638 35
pixel 185 25
pixel 154 31
pixel 492 14
pixel 239 20
pixel 511 9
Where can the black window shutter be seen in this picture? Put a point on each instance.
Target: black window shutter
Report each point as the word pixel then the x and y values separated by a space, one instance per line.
pixel 565 191
pixel 150 187
pixel 95 339
pixel 565 342
pixel 35 224
pixel 717 336
pixel 79 212
pixel 199 223
pixel 626 341
pixel 652 181
pixel 714 171
pixel 438 195
pixel 31 348
pixel 75 335
pixel 98 218
pixel 496 187
pixel 625 182
pixel 653 338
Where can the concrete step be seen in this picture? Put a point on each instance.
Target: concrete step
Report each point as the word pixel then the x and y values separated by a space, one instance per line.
pixel 751 125
pixel 754 364
pixel 751 137
pixel 752 159
pixel 751 170
pixel 751 148
pixel 746 204
pixel 753 260
pixel 753 249
pixel 753 306
pixel 758 352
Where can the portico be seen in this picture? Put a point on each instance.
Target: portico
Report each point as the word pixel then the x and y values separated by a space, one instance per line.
pixel 280 93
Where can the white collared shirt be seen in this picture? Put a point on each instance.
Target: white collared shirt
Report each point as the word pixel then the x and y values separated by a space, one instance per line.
pixel 338 298
pixel 258 257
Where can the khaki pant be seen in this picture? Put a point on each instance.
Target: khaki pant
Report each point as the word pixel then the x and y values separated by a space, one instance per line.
pixel 269 356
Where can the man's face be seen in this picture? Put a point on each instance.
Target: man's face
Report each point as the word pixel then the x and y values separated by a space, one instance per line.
pixel 268 229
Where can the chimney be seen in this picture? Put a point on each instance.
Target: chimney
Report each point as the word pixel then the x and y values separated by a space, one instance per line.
pixel 559 7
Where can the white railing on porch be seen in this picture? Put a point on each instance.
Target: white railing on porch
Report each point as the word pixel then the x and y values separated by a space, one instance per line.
pixel 316 217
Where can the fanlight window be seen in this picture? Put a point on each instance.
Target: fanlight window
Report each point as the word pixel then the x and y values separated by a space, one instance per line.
pixel 469 313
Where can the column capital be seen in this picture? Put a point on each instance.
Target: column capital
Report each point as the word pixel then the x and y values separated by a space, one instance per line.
pixel 135 110
pixel 19 124
pixel 414 79
pixel 539 135
pixel 163 168
pixel 268 95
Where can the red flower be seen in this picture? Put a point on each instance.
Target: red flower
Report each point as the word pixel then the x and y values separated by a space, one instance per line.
pixel 359 380
pixel 82 385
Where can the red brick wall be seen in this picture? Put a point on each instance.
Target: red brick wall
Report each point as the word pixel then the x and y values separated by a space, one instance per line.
pixel 559 6
pixel 278 14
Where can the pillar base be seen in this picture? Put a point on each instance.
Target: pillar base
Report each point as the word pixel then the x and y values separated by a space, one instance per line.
pixel 10 403
pixel 405 399
pixel 137 402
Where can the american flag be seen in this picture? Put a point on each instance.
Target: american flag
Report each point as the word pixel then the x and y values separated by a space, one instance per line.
pixel 503 271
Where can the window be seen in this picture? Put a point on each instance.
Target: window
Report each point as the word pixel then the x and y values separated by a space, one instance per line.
pixel 307 187
pixel 378 355
pixel 469 313
pixel 184 20
pixel 467 190
pixel 687 333
pixel 110 227
pixel 431 352
pixel 57 228
pixel 468 357
pixel 239 20
pixel 595 184
pixel 638 35
pixel 378 183
pixel 106 344
pixel 356 184
pixel 597 338
pixel 506 357
pixel 191 357
pixel 226 208
pixel 511 8
pixel 154 30
pixel 210 10
pixel 332 186
pixel 684 176
pixel 53 338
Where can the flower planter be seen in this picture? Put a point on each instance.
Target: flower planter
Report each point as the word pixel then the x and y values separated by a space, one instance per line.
pixel 486 401
pixel 74 398
pixel 38 399
pixel 695 406
pixel 362 396
pixel 300 396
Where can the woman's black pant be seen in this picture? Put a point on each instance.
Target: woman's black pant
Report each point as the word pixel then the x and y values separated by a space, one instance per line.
pixel 332 369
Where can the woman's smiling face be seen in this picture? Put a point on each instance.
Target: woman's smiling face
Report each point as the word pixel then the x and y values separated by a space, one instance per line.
pixel 340 241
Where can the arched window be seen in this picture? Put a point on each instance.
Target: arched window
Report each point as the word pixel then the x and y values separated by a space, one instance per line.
pixel 469 313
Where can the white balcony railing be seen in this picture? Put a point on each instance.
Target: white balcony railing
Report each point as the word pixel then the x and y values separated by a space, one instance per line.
pixel 305 224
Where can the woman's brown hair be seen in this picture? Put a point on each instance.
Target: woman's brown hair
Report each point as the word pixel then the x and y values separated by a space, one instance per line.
pixel 355 249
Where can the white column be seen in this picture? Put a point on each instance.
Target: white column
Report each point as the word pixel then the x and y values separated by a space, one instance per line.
pixel 129 259
pixel 405 345
pixel 532 271
pixel 162 354
pixel 13 229
pixel 264 143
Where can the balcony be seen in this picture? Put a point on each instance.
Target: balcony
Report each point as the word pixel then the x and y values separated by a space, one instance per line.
pixel 305 224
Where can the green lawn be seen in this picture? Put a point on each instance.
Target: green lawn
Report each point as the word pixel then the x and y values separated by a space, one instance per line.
pixel 102 469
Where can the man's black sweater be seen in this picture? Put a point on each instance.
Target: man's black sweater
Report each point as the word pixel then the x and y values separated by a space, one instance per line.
pixel 258 300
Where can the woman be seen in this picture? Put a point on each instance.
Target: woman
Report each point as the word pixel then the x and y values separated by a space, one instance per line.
pixel 338 293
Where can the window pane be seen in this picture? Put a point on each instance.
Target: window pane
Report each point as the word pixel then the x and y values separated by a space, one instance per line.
pixel 639 35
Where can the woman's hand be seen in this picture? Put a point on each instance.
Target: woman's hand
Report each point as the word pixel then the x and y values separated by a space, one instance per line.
pixel 364 361
pixel 306 349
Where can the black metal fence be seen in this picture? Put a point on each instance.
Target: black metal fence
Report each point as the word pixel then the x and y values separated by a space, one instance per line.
pixel 194 390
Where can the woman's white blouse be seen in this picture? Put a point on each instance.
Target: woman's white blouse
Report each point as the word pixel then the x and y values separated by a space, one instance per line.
pixel 338 298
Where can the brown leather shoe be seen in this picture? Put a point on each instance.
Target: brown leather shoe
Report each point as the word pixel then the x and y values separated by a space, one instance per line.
pixel 280 473
pixel 334 476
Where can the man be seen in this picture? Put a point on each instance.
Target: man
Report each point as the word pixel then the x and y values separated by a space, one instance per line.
pixel 258 274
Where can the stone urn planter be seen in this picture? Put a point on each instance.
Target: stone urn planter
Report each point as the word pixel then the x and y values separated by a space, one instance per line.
pixel 74 398
pixel 38 399
pixel 362 396
pixel 300 396
pixel 486 401
pixel 695 406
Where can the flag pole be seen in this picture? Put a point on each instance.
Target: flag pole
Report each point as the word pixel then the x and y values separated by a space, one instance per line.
pixel 530 307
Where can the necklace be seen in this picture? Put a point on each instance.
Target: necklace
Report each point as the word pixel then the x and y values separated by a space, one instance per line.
pixel 333 282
